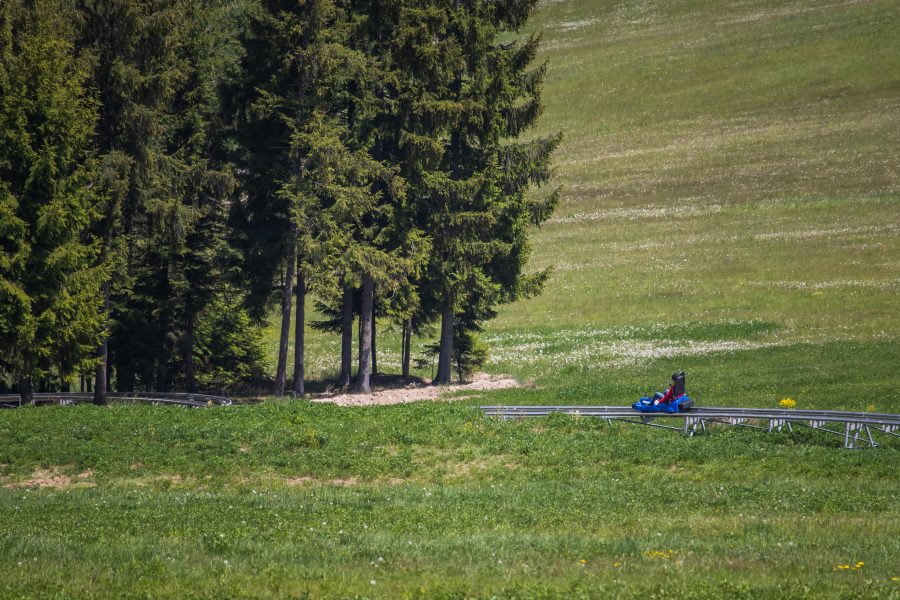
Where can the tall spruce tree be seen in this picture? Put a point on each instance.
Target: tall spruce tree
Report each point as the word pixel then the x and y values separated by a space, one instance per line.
pixel 323 189
pixel 409 125
pixel 476 207
pixel 132 43
pixel 259 220
pixel 50 300
pixel 301 49
pixel 397 125
pixel 187 221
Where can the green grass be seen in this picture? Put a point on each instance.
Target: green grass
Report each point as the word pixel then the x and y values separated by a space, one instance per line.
pixel 731 207
pixel 287 498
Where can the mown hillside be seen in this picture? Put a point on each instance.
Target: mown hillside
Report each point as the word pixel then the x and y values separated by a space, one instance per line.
pixel 724 163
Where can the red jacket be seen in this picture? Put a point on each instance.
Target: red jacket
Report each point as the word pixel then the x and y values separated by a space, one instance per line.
pixel 669 396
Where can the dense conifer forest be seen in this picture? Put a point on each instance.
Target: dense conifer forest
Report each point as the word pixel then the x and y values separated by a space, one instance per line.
pixel 174 172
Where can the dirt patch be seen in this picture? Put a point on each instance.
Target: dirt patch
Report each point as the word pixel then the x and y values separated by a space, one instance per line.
pixel 417 392
pixel 54 479
pixel 295 481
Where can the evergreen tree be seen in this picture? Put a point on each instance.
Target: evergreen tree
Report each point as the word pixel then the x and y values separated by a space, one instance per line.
pixel 320 198
pixel 227 348
pixel 133 47
pixel 416 55
pixel 49 293
pixel 476 206
pixel 312 176
pixel 188 221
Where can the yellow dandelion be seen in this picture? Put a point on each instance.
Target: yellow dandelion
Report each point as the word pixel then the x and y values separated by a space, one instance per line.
pixel 787 403
pixel 618 564
pixel 582 561
pixel 870 408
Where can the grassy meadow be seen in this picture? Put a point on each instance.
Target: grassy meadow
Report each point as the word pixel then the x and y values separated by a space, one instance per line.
pixel 731 207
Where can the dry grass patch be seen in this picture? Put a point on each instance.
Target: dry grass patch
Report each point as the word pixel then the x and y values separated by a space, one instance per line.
pixel 306 480
pixel 54 478
pixel 450 463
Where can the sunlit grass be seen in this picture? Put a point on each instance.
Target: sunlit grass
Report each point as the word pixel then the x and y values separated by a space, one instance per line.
pixel 288 497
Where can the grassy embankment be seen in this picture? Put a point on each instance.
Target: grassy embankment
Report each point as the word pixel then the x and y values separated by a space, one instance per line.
pixel 732 176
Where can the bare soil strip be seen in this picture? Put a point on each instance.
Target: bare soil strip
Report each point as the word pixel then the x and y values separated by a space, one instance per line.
pixel 416 392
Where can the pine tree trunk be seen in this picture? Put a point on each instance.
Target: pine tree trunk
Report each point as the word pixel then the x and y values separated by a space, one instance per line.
pixel 299 334
pixel 445 358
pixel 162 374
pixel 346 337
pixel 407 337
pixel 102 354
pixel 189 357
pixel 365 336
pixel 25 390
pixel 374 338
pixel 286 298
pixel 165 320
pixel 124 373
pixel 100 375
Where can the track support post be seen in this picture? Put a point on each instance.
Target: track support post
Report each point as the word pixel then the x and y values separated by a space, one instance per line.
pixel 856 429
pixel 691 424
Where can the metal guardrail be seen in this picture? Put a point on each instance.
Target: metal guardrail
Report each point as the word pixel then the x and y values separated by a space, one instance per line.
pixel 69 398
pixel 858 427
pixel 10 401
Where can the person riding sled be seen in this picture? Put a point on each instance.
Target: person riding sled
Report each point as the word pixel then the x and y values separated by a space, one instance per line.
pixel 674 400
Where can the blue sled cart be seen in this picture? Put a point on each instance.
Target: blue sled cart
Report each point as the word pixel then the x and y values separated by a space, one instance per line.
pixel 673 401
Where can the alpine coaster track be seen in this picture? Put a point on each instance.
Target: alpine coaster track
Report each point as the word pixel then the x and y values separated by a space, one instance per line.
pixel 858 427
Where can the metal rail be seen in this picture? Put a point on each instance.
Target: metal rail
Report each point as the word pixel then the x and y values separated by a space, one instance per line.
pixel 858 427
pixel 10 401
pixel 158 398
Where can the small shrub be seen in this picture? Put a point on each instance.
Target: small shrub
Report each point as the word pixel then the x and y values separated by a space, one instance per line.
pixel 228 349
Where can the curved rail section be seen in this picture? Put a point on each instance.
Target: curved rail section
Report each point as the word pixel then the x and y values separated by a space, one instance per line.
pixel 69 398
pixel 858 428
